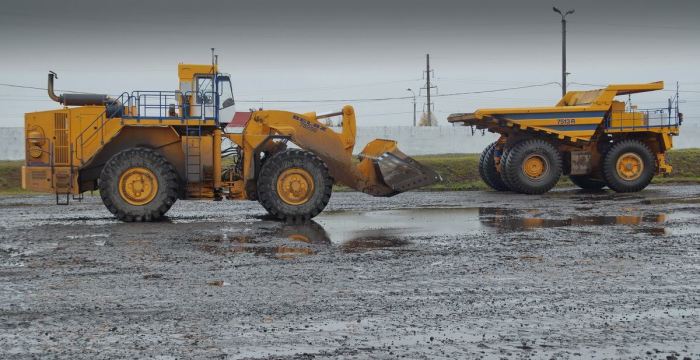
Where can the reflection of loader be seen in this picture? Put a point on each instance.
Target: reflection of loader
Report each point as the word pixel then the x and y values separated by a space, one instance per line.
pixel 146 149
pixel 588 135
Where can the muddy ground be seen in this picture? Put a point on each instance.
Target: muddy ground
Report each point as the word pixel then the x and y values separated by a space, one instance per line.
pixel 421 275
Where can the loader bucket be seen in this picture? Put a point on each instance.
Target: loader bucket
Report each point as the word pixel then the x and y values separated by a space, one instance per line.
pixel 390 171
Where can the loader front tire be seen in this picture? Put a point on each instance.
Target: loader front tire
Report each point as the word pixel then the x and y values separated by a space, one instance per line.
pixel 487 169
pixel 586 182
pixel 628 166
pixel 532 167
pixel 138 184
pixel 294 185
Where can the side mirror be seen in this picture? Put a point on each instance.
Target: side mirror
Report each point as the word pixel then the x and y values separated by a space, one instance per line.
pixel 227 103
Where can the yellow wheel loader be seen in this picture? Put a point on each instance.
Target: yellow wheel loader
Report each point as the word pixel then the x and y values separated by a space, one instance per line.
pixel 596 140
pixel 143 150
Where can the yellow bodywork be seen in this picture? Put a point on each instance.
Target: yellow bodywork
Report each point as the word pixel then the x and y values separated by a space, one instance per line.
pixel 67 148
pixel 576 117
pixel 579 120
pixel 304 130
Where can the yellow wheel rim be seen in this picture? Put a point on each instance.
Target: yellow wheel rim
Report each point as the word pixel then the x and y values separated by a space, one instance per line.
pixel 295 186
pixel 138 186
pixel 535 166
pixel 630 166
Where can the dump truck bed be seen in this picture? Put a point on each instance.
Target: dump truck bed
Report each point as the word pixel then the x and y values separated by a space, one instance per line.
pixel 577 116
pixel 570 122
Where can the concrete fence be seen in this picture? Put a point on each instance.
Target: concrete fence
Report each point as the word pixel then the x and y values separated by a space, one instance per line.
pixel 412 141
pixel 427 140
pixel 11 143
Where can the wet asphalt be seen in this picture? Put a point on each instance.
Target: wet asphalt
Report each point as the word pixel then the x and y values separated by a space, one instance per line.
pixel 422 275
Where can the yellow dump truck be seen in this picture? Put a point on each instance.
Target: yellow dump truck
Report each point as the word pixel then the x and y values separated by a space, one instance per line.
pixel 143 150
pixel 588 135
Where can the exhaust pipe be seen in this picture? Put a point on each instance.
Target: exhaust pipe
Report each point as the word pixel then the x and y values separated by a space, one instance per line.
pixel 77 99
pixel 52 94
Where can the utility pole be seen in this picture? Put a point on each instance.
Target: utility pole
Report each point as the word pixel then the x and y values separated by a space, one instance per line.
pixel 563 47
pixel 414 105
pixel 428 87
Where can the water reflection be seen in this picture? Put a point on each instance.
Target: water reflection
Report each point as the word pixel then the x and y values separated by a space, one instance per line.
pixel 509 220
pixel 361 231
pixel 225 243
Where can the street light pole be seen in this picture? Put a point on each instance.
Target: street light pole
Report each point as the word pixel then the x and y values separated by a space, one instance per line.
pixel 414 105
pixel 563 47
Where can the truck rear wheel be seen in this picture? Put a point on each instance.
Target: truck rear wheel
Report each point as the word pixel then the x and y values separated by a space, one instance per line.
pixel 138 184
pixel 628 166
pixel 294 185
pixel 502 174
pixel 532 167
pixel 487 169
pixel 586 182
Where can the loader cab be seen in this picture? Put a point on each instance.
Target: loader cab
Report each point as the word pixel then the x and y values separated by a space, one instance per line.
pixel 226 108
pixel 205 93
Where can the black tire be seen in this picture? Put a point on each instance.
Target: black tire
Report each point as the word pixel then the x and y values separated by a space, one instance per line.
pixel 617 181
pixel 482 159
pixel 487 169
pixel 519 181
pixel 502 174
pixel 165 176
pixel 585 182
pixel 289 159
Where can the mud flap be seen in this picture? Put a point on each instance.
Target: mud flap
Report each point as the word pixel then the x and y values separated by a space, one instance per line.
pixel 401 172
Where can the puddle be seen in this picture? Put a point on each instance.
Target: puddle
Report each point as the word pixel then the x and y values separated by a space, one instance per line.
pixel 384 225
pixel 509 220
pixel 359 231
pixel 219 283
pixel 344 227
pixel 232 246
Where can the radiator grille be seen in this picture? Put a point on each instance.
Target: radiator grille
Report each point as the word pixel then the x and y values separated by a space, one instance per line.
pixel 39 175
pixel 61 145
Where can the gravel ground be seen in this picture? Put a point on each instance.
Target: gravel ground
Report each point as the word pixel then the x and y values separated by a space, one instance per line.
pixel 421 275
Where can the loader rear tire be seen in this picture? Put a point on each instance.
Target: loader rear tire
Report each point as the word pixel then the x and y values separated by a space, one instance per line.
pixel 586 182
pixel 138 184
pixel 533 167
pixel 487 169
pixel 628 166
pixel 294 186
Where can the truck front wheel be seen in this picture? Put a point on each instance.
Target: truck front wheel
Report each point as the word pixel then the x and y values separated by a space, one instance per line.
pixel 628 166
pixel 294 185
pixel 138 184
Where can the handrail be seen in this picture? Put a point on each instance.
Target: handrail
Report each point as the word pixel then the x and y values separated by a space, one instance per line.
pixel 650 118
pixel 101 116
pixel 138 102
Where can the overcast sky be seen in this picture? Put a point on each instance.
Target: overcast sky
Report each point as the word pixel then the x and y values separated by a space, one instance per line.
pixel 318 50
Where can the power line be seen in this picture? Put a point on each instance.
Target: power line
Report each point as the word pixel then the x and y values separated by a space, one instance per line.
pixel 281 91
pixel 376 99
pixel 401 97
pixel 324 100
pixel 40 88
pixel 389 113
pixel 667 90
pixel 498 90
